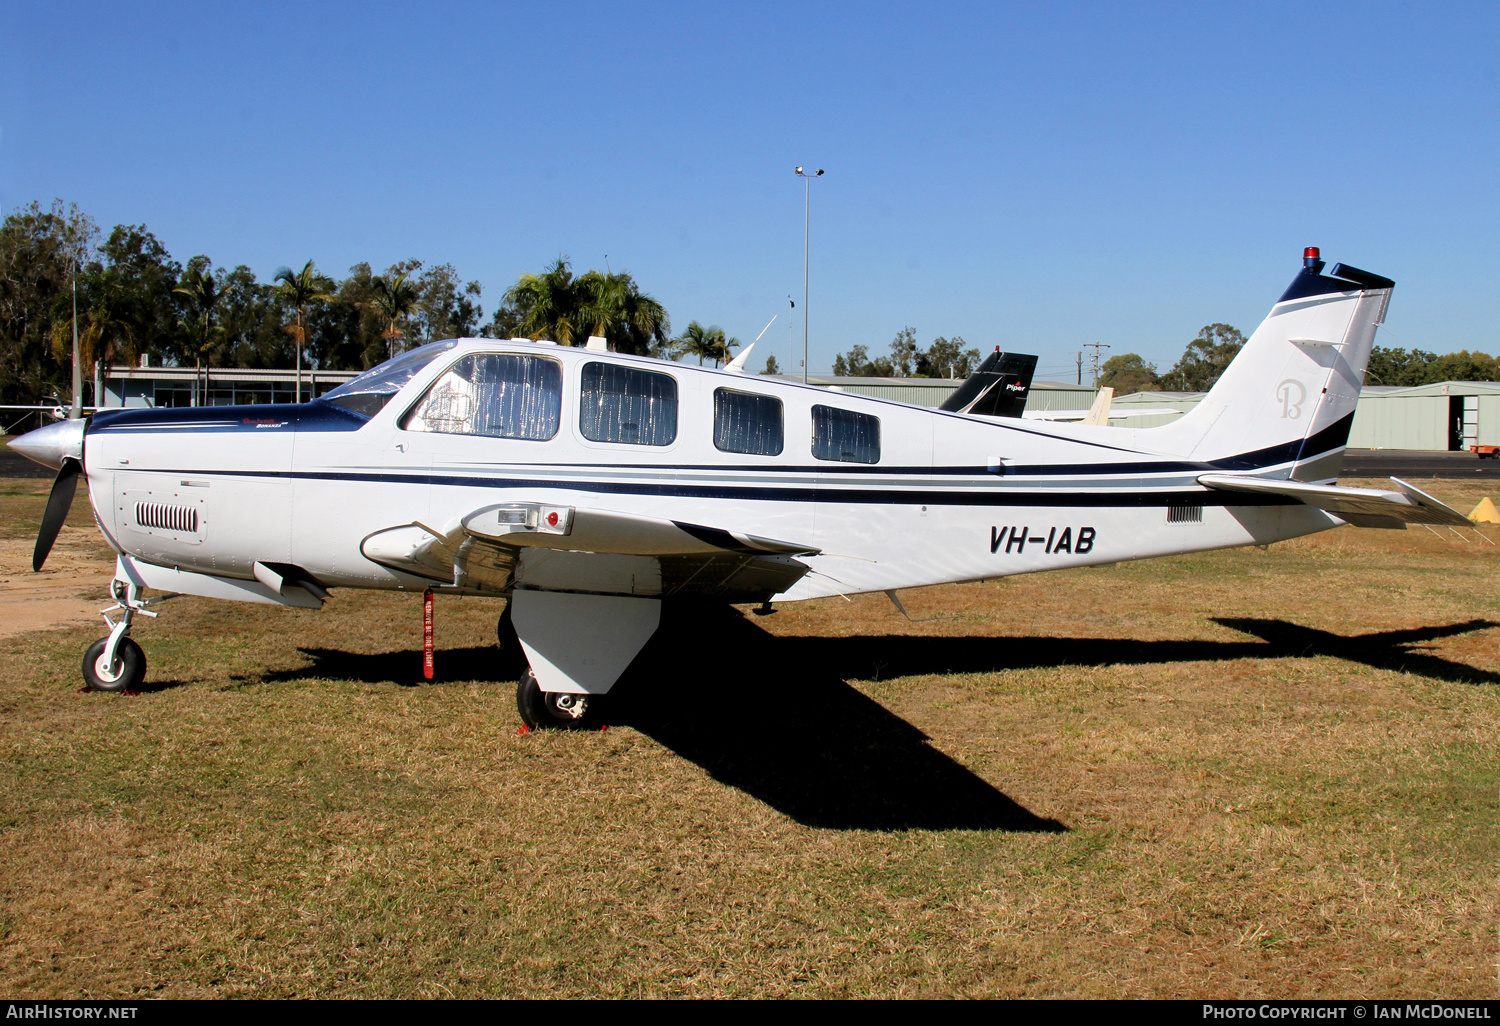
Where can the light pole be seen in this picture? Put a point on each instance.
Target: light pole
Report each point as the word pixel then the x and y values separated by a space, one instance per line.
pixel 77 410
pixel 806 221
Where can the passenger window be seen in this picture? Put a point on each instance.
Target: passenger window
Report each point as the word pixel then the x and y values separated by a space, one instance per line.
pixel 497 395
pixel 845 436
pixel 623 404
pixel 746 422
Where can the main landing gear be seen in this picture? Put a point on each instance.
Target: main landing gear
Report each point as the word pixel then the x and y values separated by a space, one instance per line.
pixel 542 710
pixel 546 709
pixel 116 662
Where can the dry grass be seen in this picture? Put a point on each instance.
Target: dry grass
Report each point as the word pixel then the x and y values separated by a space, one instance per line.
pixel 1236 774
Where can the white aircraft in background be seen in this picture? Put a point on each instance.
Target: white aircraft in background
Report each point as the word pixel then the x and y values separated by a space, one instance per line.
pixel 588 487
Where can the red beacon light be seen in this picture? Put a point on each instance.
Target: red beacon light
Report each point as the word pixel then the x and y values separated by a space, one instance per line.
pixel 1310 258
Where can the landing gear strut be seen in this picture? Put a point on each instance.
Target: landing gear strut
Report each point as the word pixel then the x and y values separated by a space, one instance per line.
pixel 116 662
pixel 558 711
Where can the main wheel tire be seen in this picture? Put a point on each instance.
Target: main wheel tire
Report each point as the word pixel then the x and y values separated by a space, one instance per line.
pixel 543 710
pixel 127 674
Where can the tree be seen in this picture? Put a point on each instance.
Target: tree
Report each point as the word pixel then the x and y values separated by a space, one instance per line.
pixel 394 298
pixel 447 306
pixel 37 252
pixel 547 303
pixel 1128 373
pixel 947 358
pixel 1398 367
pixel 771 367
pixel 704 342
pixel 1205 358
pixel 612 307
pixel 903 352
pixel 299 289
pixel 857 364
pixel 250 322
pixel 1462 366
pixel 555 305
pixel 148 277
pixel 203 291
pixel 106 328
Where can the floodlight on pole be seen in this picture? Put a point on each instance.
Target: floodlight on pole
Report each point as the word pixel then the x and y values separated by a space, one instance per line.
pixel 806 222
pixel 77 409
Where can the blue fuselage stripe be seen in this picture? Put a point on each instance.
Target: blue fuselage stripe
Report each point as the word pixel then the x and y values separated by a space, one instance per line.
pixel 888 496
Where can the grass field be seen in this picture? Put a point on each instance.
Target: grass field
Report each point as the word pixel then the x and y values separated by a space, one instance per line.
pixel 1249 773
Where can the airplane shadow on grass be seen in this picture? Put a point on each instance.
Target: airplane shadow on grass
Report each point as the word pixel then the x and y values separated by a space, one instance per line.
pixel 775 717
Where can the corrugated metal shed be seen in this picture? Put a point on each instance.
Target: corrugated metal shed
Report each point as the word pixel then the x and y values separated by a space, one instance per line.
pixel 918 391
pixel 1044 395
pixel 1392 419
pixel 1433 417
pixel 1171 404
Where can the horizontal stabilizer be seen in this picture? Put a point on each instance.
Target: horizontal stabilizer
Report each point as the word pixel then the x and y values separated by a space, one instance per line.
pixel 1363 507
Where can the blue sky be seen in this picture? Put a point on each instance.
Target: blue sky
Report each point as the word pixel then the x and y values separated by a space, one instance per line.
pixel 1033 176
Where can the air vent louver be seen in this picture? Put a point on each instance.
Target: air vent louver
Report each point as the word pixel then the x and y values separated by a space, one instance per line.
pixel 163 517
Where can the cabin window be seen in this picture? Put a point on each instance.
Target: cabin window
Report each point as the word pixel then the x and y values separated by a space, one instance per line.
pixel 497 395
pixel 746 422
pixel 625 404
pixel 845 436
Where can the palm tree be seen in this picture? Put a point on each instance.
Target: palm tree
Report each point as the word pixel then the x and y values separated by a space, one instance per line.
pixel 700 342
pixel 203 292
pixel 395 299
pixel 555 305
pixel 613 307
pixel 549 303
pixel 299 288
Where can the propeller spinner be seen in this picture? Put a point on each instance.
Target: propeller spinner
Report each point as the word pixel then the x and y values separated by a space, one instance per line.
pixel 57 445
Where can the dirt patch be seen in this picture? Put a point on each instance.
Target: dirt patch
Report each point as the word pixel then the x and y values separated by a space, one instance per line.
pixel 70 590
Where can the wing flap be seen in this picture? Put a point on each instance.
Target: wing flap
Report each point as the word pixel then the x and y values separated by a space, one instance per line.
pixel 1360 506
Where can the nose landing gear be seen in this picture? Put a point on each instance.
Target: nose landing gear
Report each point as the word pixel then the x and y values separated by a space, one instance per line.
pixel 116 662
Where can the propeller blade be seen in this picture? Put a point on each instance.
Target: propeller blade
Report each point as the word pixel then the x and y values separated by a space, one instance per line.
pixel 58 504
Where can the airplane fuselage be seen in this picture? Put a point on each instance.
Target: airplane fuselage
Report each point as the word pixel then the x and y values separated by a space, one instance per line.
pixel 929 497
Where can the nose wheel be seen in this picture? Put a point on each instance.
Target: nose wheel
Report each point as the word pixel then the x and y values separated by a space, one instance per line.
pixel 126 673
pixel 556 710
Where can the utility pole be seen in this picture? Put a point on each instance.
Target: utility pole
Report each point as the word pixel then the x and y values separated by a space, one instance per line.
pixel 1080 366
pixel 1096 347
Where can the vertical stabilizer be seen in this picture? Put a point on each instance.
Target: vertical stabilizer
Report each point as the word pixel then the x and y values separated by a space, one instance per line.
pixel 1285 404
pixel 998 387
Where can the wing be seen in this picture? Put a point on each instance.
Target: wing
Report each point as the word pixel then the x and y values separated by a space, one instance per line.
pixel 1362 507
pixel 565 548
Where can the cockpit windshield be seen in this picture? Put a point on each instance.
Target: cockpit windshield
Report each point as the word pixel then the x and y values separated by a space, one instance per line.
pixel 370 391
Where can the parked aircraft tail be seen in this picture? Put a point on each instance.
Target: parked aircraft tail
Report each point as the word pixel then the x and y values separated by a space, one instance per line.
pixel 1285 404
pixel 998 387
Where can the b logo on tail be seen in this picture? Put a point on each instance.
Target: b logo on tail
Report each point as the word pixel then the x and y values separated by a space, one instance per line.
pixel 1291 408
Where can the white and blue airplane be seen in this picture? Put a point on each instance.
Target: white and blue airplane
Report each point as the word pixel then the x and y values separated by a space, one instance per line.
pixel 588 487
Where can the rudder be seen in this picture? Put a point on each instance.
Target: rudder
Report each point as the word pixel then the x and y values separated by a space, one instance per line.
pixel 1285 404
